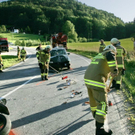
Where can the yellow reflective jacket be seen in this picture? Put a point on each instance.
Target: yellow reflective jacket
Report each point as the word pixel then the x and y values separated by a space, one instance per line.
pixel 23 52
pixel 121 53
pixel 102 47
pixel 44 57
pixel 1 59
pixel 98 71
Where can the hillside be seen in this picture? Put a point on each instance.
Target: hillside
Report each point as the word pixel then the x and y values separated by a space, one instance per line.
pixel 49 16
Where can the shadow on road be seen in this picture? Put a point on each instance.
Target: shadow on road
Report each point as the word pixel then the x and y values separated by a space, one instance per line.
pixel 46 113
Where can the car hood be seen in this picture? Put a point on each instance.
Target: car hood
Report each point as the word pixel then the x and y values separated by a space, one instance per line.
pixel 60 58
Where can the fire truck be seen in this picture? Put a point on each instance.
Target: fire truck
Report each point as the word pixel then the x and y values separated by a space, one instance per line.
pixel 4 45
pixel 60 39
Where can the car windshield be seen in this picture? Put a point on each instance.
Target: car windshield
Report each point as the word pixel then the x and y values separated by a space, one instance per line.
pixel 58 52
pixel 3 42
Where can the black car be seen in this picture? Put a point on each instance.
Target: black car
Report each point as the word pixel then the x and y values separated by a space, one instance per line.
pixel 59 58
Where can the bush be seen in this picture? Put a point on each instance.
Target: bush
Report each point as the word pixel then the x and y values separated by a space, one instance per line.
pixel 29 43
pixel 23 43
pixel 18 42
pixel 70 40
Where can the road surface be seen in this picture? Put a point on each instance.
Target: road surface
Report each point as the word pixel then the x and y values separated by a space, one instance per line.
pixel 47 107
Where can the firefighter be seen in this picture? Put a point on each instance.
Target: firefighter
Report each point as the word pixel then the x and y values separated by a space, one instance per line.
pixel 95 77
pixel 121 52
pixel 1 65
pixel 39 48
pixel 133 39
pixel 44 58
pixel 102 46
pixel 18 52
pixel 23 54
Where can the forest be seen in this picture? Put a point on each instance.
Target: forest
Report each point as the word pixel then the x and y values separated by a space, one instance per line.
pixel 71 17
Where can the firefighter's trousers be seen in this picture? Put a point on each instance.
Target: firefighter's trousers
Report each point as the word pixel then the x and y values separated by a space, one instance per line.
pixel 18 55
pixel 44 70
pixel 118 78
pixel 23 57
pixel 1 66
pixel 98 103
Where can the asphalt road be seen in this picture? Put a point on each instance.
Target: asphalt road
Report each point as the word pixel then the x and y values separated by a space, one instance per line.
pixel 47 107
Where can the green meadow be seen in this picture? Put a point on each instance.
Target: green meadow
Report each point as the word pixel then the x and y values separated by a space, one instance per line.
pixel 12 37
pixel 94 46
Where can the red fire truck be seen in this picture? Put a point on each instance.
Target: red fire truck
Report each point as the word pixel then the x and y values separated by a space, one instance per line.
pixel 60 39
pixel 4 45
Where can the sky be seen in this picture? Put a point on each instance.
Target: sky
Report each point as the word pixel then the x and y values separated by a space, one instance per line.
pixel 124 9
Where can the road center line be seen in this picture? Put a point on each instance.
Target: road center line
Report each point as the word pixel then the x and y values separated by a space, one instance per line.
pixel 18 88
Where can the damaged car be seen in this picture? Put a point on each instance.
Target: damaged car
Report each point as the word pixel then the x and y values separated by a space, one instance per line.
pixel 59 59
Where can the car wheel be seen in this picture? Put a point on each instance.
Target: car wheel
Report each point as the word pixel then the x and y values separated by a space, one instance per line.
pixel 68 67
pixel 5 124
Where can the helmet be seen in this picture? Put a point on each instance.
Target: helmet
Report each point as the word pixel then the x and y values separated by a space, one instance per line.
pixel 101 40
pixel 48 47
pixel 111 48
pixel 114 41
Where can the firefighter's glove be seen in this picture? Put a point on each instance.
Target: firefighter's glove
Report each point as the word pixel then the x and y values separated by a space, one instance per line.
pixel 108 90
pixel 123 71
pixel 114 73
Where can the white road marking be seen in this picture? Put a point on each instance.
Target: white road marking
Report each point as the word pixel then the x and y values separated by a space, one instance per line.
pixel 18 88
pixel 31 78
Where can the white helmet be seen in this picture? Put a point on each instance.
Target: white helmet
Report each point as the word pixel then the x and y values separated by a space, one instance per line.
pixel 48 47
pixel 114 41
pixel 111 48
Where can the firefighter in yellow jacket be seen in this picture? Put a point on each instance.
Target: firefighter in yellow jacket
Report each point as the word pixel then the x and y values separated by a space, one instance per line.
pixel 102 46
pixel 1 65
pixel 95 77
pixel 18 52
pixel 23 54
pixel 44 58
pixel 121 52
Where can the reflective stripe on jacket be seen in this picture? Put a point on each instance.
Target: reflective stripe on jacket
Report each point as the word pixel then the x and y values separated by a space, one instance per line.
pixel 97 72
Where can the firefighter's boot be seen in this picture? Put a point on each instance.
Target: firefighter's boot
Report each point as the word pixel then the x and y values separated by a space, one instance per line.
pixel 46 78
pixel 100 130
pixel 117 86
pixel 113 84
pixel 42 78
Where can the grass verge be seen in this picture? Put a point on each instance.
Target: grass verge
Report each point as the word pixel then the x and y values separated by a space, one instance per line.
pixel 9 60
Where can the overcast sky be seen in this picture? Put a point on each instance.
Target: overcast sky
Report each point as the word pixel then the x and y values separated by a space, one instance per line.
pixel 124 9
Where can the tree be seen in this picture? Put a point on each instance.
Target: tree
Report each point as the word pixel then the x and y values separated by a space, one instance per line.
pixel 69 29
pixel 3 28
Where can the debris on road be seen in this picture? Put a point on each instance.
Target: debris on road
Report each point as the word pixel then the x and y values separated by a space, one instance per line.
pixel 110 103
pixel 87 102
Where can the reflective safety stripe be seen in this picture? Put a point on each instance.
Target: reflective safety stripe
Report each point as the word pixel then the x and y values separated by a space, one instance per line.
pixel 99 112
pixel 118 82
pixel 120 66
pixel 42 53
pixel 93 108
pixel 102 111
pixel 94 62
pixel 111 63
pixel 94 83
pixel 103 106
pixel 99 56
pixel 119 53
